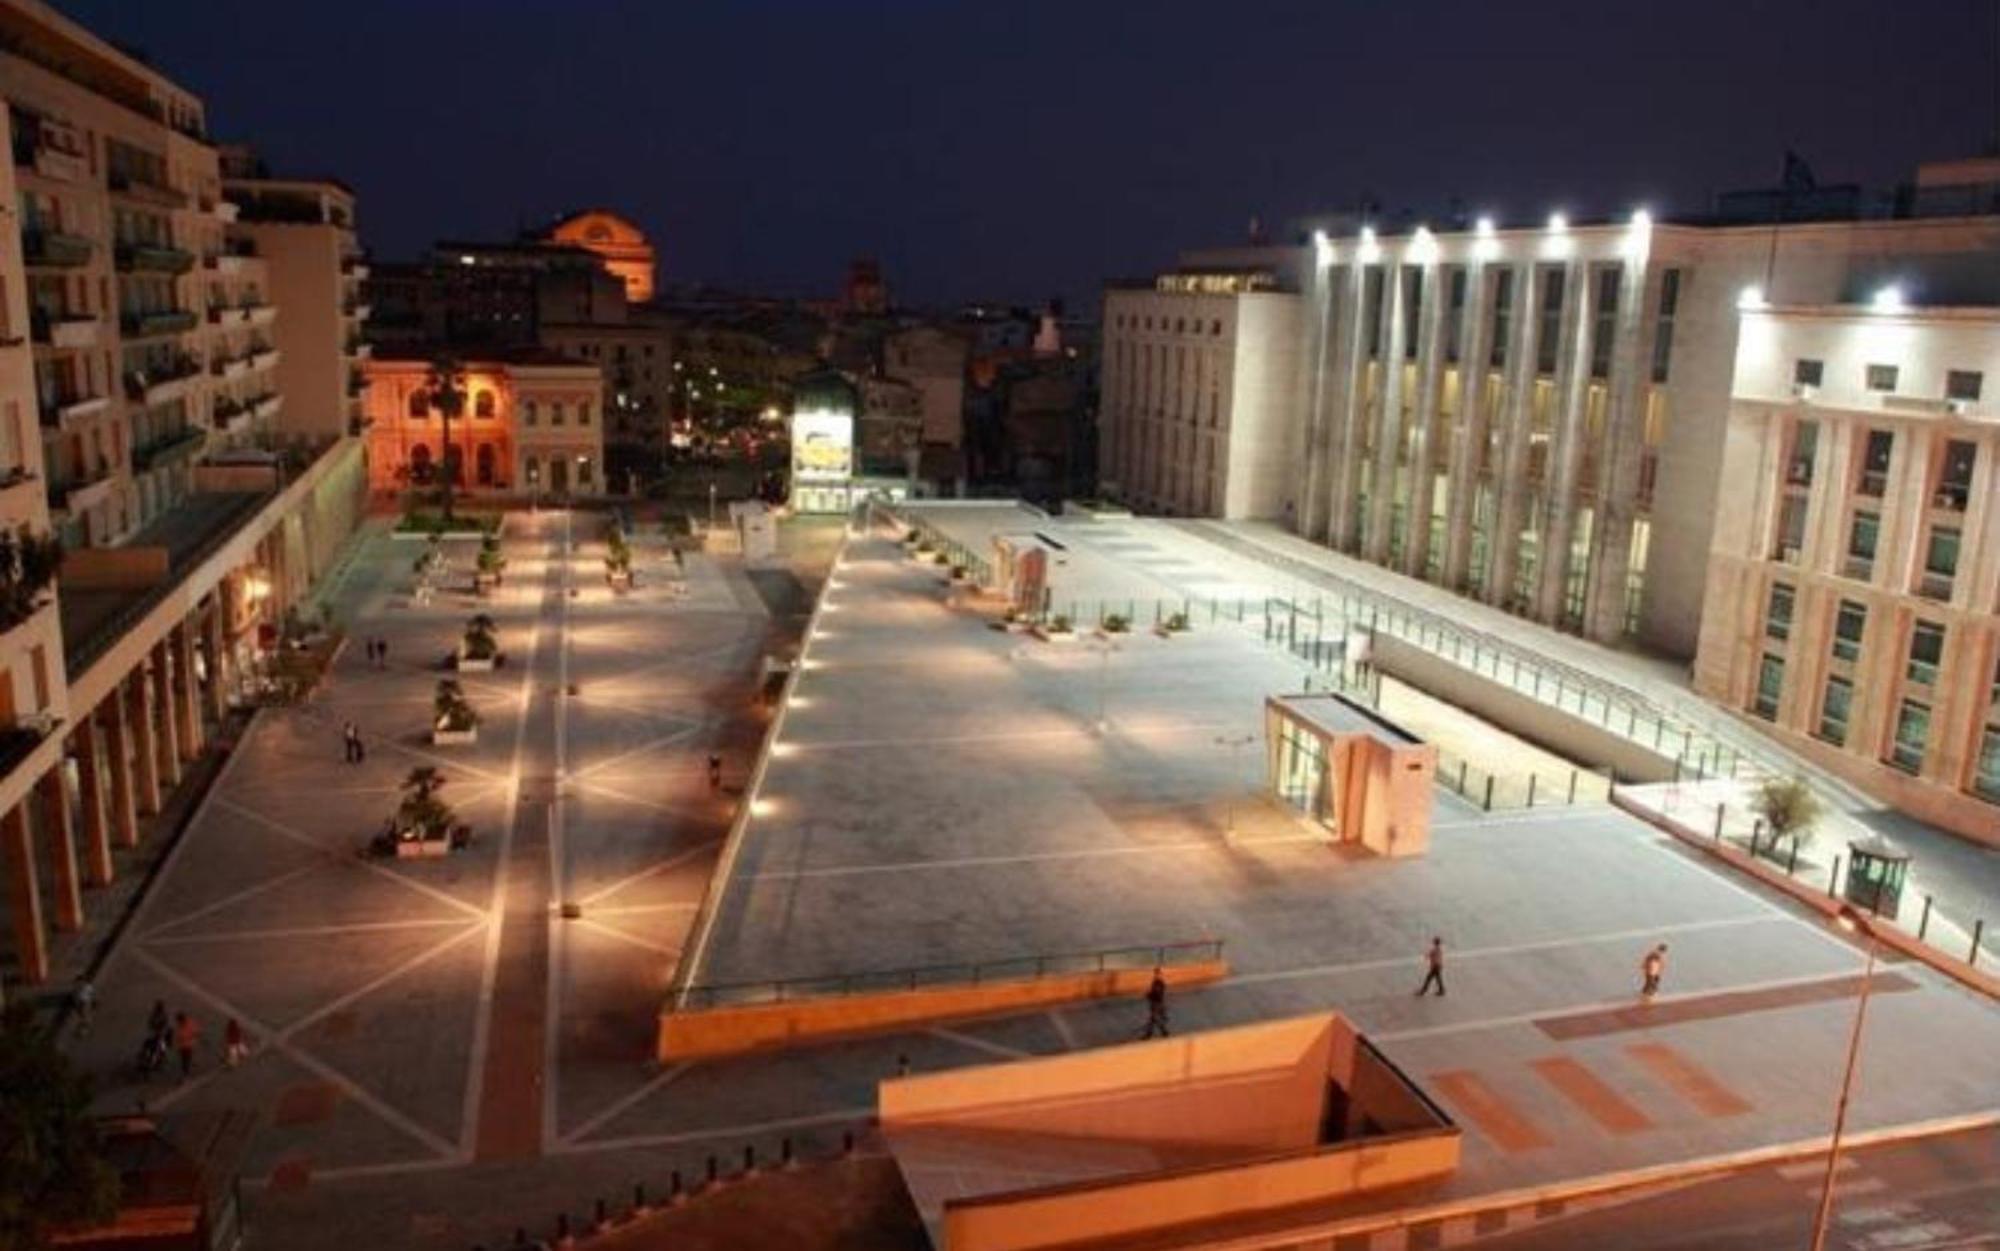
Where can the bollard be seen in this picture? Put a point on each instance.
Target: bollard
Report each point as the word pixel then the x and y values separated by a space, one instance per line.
pixel 1532 778
pixel 711 1170
pixel 1718 822
pixel 1833 878
pixel 1488 805
pixel 674 1187
pixel 1792 865
pixel 1924 923
pixel 1461 777
pixel 1572 785
pixel 1972 957
pixel 1756 832
pixel 785 1151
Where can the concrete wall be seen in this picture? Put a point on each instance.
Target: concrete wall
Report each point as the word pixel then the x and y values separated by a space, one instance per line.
pixel 1560 732
pixel 1261 413
pixel 694 1032
pixel 1386 794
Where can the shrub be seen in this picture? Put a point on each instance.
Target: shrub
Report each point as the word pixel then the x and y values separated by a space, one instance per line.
pixel 421 811
pixel 1117 623
pixel 1177 622
pixel 481 643
pixel 1060 624
pixel 1788 806
pixel 450 708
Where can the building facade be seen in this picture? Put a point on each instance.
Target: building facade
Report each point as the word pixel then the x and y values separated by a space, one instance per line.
pixel 533 424
pixel 1854 581
pixel 1196 407
pixel 142 425
pixel 623 247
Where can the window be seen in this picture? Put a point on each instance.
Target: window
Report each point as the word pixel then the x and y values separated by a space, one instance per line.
pixel 1413 301
pixel 1548 336
pixel 583 413
pixel 1604 327
pixel 1881 377
pixel 482 404
pixel 1963 385
pixel 1954 487
pixel 1940 563
pixel 1875 454
pixel 1770 682
pixel 1986 767
pixel 1663 333
pixel 1926 650
pixel 1848 624
pixel 1454 318
pixel 528 413
pixel 1371 309
pixel 1807 373
pixel 420 405
pixel 556 413
pixel 1503 317
pixel 1913 729
pixel 1861 540
pixel 1778 612
pixel 1833 710
pixel 1805 448
pixel 1791 528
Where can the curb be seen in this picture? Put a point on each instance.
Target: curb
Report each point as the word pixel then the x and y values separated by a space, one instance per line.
pixel 1812 897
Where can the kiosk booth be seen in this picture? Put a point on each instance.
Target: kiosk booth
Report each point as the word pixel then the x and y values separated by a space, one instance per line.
pixel 1875 873
pixel 1346 770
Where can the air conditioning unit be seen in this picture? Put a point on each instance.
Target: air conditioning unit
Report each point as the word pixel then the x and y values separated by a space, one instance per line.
pixel 1804 391
pixel 1957 408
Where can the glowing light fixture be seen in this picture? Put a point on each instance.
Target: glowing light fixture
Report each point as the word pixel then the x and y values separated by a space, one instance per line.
pixel 1322 249
pixel 1558 222
pixel 1751 297
pixel 1369 250
pixel 1483 227
pixel 1423 246
pixel 1486 246
pixel 1889 300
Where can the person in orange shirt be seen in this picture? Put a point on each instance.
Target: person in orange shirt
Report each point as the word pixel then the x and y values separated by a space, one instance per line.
pixel 187 1032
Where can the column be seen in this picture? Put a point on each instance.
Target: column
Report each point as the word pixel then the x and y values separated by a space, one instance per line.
pixel 1568 432
pixel 24 895
pixel 168 747
pixel 218 665
pixel 1423 456
pixel 145 751
pixel 60 836
pixel 1388 418
pixel 187 698
pixel 90 787
pixel 1344 530
pixel 1475 353
pixel 1510 490
pixel 1625 453
pixel 1309 512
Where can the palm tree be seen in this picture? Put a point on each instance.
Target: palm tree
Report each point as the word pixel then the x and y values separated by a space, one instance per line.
pixel 446 384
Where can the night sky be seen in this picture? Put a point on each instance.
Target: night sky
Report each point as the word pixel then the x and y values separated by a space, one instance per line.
pixel 1017 150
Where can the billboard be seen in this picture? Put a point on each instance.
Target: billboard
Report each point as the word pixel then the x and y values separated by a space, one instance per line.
pixel 822 447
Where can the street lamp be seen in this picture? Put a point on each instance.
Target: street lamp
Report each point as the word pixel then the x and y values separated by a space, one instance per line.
pixel 1105 646
pixel 1852 920
pixel 1235 743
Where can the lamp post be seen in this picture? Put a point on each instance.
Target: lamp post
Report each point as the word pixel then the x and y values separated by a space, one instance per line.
pixel 1235 743
pixel 711 506
pixel 1105 646
pixel 1852 920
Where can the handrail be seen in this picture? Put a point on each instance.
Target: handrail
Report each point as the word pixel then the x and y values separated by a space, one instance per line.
pixel 962 973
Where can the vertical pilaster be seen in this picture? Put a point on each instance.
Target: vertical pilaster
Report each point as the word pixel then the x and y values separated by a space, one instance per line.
pixel 168 741
pixel 1423 455
pixel 1350 414
pixel 24 895
pixel 1625 449
pixel 1311 508
pixel 118 763
pixel 60 836
pixel 1469 434
pixel 187 696
pixel 1510 482
pixel 97 865
pixel 145 744
pixel 1388 419
pixel 1567 436
pixel 218 660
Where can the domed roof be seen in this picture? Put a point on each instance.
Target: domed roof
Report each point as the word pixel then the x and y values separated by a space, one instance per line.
pixel 596 228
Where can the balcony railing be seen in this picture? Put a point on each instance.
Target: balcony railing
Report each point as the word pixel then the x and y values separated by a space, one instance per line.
pixel 65 495
pixel 1874 482
pixel 54 249
pixel 168 448
pixel 1860 568
pixel 68 405
pixel 153 258
pixel 159 322
pixel 1952 497
pixel 1935 586
pixel 126 183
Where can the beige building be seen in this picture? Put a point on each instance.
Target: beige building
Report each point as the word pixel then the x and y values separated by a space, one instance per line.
pixel 533 423
pixel 140 412
pixel 1854 581
pixel 1196 398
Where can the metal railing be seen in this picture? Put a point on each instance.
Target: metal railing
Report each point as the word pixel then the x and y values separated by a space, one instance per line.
pixel 962 973
pixel 1531 788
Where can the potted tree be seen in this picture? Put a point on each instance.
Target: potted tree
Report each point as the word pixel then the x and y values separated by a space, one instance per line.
pixel 486 574
pixel 454 721
pixel 1056 629
pixel 1115 623
pixel 617 560
pixel 479 650
pixel 423 824
pixel 1176 623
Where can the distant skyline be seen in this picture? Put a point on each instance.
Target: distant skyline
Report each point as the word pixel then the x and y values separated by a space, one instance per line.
pixel 1035 149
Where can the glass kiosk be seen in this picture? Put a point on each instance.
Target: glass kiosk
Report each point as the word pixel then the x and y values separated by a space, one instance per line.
pixel 1875 873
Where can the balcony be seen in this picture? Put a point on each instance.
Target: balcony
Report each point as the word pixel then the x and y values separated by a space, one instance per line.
pixel 1800 472
pixel 153 258
pixel 154 324
pixel 135 187
pixel 263 357
pixel 1873 483
pixel 229 415
pixel 225 315
pixel 1935 586
pixel 358 348
pixel 1951 497
pixel 355 266
pixel 1860 568
pixel 357 383
pixel 355 308
pixel 266 406
pixel 229 366
pixel 51 149
pixel 80 494
pixel 260 314
pixel 158 385
pixel 52 249
pixel 63 329
pixel 235 253
pixel 62 408
pixel 167 449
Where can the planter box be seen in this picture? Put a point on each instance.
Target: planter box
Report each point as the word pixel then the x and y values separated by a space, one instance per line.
pixel 620 581
pixel 422 848
pixel 454 738
pixel 467 664
pixel 1048 635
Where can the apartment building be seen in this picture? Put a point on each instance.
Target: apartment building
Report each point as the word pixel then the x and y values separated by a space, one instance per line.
pixel 532 423
pixel 1530 416
pixel 1197 398
pixel 1854 581
pixel 305 232
pixel 141 428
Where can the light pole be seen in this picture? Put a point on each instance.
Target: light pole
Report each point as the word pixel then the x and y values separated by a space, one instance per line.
pixel 711 506
pixel 1850 919
pixel 1235 743
pixel 1105 646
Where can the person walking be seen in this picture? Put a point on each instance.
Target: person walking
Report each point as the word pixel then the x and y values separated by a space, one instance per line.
pixel 234 1048
pixel 714 772
pixel 350 735
pixel 157 1019
pixel 1433 969
pixel 1156 1009
pixel 84 1000
pixel 381 653
pixel 187 1032
pixel 1651 969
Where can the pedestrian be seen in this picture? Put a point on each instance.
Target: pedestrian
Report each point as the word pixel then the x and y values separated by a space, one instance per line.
pixel 902 1066
pixel 187 1032
pixel 714 772
pixel 381 653
pixel 234 1048
pixel 1433 969
pixel 1156 1008
pixel 156 1020
pixel 1651 968
pixel 350 736
pixel 84 1000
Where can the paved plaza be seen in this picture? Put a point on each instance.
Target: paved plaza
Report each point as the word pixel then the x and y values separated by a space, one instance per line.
pixel 439 1057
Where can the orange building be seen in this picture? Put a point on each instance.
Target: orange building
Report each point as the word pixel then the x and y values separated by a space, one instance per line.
pixel 624 247
pixel 532 423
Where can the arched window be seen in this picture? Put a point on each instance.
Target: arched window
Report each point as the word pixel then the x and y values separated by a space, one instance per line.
pixel 420 463
pixel 583 413
pixel 420 405
pixel 482 404
pixel 483 465
pixel 528 413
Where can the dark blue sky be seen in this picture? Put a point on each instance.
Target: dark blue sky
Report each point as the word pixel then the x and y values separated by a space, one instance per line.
pixel 1021 149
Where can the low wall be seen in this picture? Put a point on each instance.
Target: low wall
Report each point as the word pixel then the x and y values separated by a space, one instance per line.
pixel 699 1032
pixel 114 568
pixel 1072 1215
pixel 1544 725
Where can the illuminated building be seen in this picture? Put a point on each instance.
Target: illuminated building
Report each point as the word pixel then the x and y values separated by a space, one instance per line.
pixel 624 248
pixel 532 423
pixel 1854 582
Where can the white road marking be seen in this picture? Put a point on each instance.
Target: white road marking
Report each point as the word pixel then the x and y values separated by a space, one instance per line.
pixel 664 1078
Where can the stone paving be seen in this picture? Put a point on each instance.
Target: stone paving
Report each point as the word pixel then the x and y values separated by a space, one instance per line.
pixel 941 792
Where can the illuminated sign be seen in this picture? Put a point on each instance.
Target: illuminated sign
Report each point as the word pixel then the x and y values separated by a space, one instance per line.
pixel 822 447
